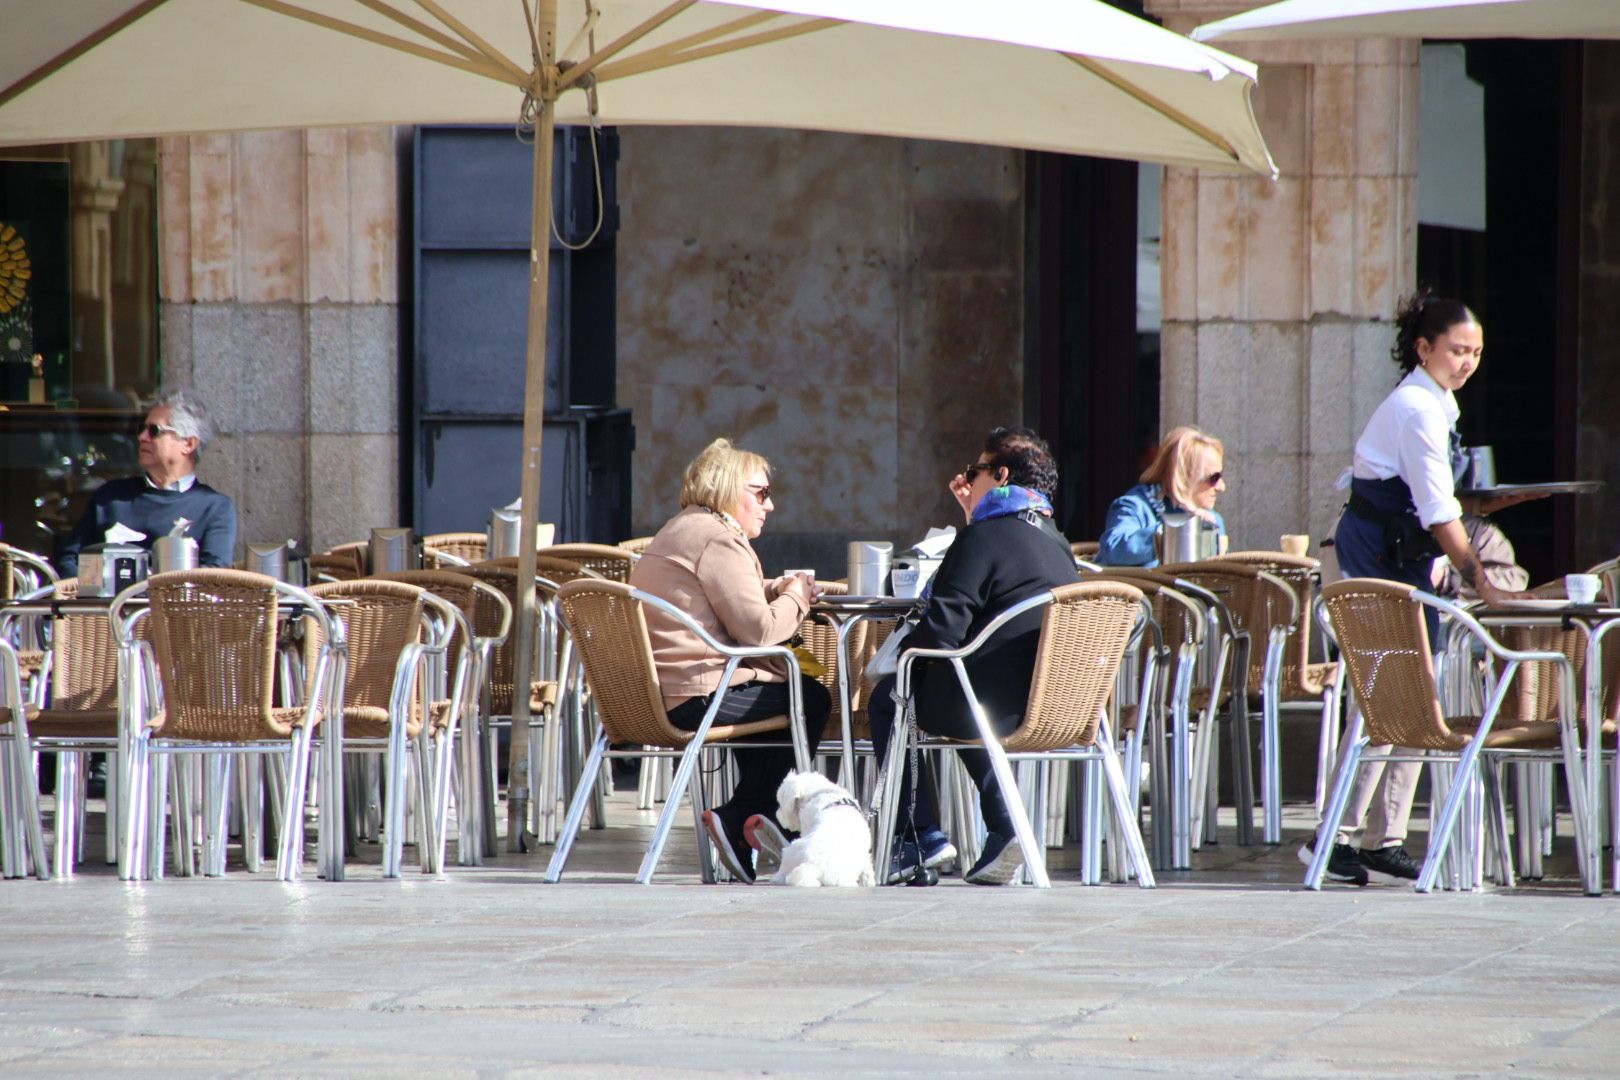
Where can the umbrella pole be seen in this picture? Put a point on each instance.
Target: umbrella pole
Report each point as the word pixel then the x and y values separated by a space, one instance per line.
pixel 519 782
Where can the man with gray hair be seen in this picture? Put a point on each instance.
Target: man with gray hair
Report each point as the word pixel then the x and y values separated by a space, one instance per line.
pixel 171 440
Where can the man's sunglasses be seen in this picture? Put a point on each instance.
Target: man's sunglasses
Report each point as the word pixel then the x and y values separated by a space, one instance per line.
pixel 153 431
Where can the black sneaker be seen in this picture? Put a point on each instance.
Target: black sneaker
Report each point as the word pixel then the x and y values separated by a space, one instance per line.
pixel 1344 864
pixel 1390 865
pixel 935 852
pixel 735 854
pixel 999 862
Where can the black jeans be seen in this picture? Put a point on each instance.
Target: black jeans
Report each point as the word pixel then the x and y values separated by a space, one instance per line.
pixel 941 710
pixel 759 769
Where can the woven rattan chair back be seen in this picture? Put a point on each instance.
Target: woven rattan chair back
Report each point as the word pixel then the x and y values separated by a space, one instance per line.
pixel 635 545
pixel 559 571
pixel 213 635
pixel 469 547
pixel 1084 633
pixel 502 677
pixel 1178 615
pixel 609 630
pixel 380 618
pixel 1300 574
pixel 358 552
pixel 483 612
pixel 1256 604
pixel 333 567
pixel 1085 549
pixel 84 658
pixel 611 562
pixel 1385 646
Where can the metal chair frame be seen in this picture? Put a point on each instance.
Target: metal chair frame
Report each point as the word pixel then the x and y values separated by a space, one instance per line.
pixel 688 755
pixel 1031 842
pixel 1470 778
pixel 141 696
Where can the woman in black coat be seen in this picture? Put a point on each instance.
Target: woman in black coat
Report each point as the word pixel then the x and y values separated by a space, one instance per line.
pixel 1009 552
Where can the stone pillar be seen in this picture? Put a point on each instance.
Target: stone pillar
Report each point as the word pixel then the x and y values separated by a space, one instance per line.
pixel 279 300
pixel 1279 296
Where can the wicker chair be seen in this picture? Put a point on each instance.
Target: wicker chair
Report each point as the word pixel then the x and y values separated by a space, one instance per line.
pixel 19 784
pixel 1085 549
pixel 607 622
pixel 1264 612
pixel 80 681
pixel 1162 716
pixel 544 689
pixel 23 573
pixel 610 562
pixel 1084 633
pixel 444 551
pixel 489 616
pixel 1302 682
pixel 1381 632
pixel 205 682
pixel 376 706
pixel 635 545
pixel 356 554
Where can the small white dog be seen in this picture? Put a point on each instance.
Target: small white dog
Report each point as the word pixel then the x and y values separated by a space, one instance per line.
pixel 834 845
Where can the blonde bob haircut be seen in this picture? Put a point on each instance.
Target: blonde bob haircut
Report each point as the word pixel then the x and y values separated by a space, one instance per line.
pixel 1175 465
pixel 718 476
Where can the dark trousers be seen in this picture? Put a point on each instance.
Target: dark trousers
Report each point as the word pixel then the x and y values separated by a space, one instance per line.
pixel 760 770
pixel 943 711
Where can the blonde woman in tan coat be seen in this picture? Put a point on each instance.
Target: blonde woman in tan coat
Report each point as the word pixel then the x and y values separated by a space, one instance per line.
pixel 702 561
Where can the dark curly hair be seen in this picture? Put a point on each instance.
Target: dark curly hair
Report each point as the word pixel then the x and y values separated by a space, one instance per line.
pixel 1424 315
pixel 1025 456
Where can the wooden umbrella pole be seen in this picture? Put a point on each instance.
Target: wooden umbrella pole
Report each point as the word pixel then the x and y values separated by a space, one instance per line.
pixel 534 408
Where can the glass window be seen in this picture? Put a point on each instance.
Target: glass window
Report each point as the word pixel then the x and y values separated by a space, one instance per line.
pixel 78 326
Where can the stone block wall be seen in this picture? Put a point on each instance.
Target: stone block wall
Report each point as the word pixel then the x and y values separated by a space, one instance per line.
pixel 850 307
pixel 280 305
pixel 1279 295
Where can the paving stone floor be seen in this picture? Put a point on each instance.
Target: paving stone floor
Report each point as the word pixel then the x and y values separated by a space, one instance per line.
pixel 1227 970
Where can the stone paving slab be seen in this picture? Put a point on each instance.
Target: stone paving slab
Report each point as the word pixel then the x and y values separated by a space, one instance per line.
pixel 1230 970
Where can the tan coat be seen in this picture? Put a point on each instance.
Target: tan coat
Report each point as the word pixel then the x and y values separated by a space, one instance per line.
pixel 707 568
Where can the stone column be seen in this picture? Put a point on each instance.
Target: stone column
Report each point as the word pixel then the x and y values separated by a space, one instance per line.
pixel 279 301
pixel 1279 296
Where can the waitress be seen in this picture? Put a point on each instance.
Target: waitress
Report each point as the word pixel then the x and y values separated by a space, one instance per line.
pixel 1402 513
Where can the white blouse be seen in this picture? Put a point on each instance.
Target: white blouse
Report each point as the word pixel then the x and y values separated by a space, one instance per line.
pixel 1409 436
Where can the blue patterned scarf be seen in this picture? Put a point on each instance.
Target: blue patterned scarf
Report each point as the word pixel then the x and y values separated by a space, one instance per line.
pixel 1010 499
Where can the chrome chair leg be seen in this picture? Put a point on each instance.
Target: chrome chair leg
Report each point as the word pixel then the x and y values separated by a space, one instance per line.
pixel 576 812
pixel 1327 832
pixel 69 792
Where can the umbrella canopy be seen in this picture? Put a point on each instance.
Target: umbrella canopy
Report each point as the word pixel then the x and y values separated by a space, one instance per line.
pixel 1075 76
pixel 1420 19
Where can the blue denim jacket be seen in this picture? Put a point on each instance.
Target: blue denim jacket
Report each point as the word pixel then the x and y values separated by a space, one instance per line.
pixel 1133 518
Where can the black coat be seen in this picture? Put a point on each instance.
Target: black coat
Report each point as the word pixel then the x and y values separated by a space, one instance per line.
pixel 991 566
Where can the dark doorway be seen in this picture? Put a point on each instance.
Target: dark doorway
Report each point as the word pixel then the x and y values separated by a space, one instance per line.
pixel 1519 275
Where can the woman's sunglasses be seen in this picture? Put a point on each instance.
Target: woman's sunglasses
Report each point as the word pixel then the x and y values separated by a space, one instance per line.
pixel 976 468
pixel 1213 478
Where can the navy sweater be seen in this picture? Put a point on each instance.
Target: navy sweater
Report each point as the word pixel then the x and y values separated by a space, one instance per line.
pixel 132 502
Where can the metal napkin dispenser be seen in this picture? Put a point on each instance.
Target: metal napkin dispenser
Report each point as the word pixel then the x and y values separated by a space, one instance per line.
pixel 109 569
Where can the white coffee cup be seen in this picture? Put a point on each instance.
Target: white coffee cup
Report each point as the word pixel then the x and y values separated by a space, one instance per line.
pixel 1582 588
pixel 905 582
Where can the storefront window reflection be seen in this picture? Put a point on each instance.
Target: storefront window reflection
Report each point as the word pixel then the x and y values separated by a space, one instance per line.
pixel 78 326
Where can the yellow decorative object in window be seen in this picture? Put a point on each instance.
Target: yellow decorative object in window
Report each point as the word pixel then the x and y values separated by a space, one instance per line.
pixel 15 269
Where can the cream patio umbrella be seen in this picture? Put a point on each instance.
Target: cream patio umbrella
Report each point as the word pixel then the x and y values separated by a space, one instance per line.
pixel 1420 19
pixel 1074 76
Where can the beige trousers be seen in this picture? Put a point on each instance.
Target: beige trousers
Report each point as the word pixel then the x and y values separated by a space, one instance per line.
pixel 1380 801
